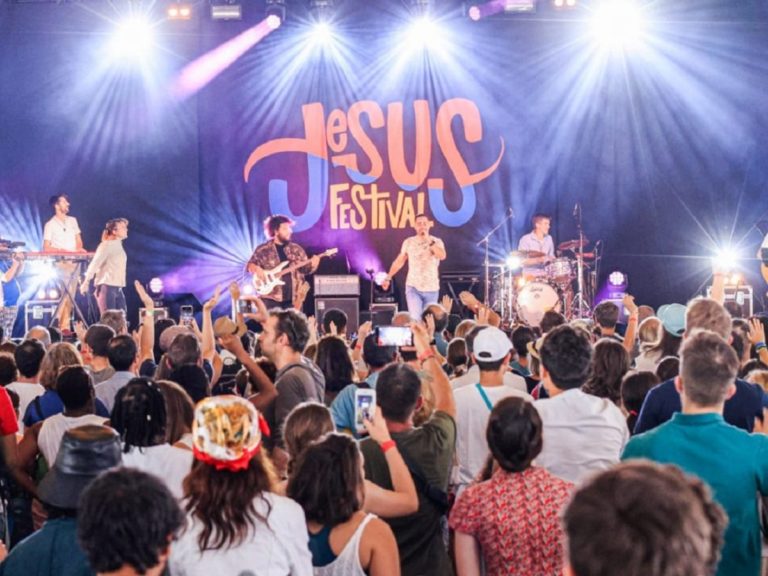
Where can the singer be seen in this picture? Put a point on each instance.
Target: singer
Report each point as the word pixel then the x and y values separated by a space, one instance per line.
pixel 537 240
pixel 423 252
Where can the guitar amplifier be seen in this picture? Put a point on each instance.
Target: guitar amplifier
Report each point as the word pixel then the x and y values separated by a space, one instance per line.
pixel 337 285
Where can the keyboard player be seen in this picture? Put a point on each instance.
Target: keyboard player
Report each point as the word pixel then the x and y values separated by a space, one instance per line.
pixel 62 234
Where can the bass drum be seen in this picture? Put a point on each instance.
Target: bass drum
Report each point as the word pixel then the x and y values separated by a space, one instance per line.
pixel 534 299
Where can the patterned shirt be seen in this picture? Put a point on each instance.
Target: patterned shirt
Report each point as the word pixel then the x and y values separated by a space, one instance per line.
pixel 515 517
pixel 422 264
pixel 267 258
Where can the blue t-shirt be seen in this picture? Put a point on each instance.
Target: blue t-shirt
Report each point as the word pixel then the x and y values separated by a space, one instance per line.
pixel 343 406
pixel 50 404
pixel 733 463
pixel 740 410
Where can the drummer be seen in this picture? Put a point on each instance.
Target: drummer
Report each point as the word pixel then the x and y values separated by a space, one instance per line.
pixel 538 243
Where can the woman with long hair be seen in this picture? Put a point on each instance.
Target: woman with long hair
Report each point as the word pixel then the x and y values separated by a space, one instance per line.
pixel 332 357
pixel 180 411
pixel 107 269
pixel 328 482
pixel 140 417
pixel 310 421
pixel 235 523
pixel 610 362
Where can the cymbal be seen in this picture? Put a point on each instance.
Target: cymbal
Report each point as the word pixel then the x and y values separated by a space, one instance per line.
pixel 572 244
pixel 526 254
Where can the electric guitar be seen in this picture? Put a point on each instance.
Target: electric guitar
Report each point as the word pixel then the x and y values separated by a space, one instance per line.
pixel 272 277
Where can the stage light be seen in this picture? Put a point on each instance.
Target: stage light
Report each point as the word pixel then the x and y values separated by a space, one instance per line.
pixel 40 294
pixel 474 13
pixel 133 38
pixel 275 13
pixel 425 32
pixel 725 260
pixel 618 24
pixel 514 262
pixel 178 11
pixel 617 279
pixel 226 12
pixel 53 294
pixel 321 32
pixel 155 286
pixel 247 289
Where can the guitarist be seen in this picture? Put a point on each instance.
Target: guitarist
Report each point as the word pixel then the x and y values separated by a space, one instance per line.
pixel 277 249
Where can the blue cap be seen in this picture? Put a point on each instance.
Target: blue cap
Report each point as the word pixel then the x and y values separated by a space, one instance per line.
pixel 672 317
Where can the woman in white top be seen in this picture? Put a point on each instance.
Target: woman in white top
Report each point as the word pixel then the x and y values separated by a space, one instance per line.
pixel 139 416
pixel 235 523
pixel 328 482
pixel 107 268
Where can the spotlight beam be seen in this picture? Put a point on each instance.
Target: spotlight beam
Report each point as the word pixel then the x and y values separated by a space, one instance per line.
pixel 196 75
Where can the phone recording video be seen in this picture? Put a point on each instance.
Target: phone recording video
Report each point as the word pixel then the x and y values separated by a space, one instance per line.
pixel 394 336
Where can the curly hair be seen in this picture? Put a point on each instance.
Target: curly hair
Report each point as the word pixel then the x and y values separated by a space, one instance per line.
pixel 128 517
pixel 139 414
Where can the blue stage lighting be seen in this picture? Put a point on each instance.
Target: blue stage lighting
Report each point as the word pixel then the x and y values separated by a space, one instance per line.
pixel 618 24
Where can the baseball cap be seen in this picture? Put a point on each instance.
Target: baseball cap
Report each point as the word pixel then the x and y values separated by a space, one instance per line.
pixel 491 345
pixel 672 317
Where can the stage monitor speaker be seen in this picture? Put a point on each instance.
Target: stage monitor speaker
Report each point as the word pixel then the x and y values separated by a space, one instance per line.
pixel 350 306
pixel 38 313
pixel 382 314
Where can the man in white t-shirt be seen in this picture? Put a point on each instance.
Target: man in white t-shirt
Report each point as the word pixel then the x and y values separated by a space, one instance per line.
pixel 62 234
pixel 423 253
pixel 492 351
pixel 582 433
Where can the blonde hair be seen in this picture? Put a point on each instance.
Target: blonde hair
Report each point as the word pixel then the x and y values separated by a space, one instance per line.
pixel 707 314
pixel 649 333
pixel 759 377
pixel 58 356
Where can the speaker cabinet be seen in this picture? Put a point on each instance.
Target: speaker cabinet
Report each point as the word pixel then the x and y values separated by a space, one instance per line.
pixel 381 315
pixel 350 306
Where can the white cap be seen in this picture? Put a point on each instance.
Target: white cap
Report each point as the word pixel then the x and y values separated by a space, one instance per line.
pixel 491 345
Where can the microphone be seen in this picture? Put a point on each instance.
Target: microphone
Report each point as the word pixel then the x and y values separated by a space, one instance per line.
pixel 369 271
pixel 510 212
pixel 575 209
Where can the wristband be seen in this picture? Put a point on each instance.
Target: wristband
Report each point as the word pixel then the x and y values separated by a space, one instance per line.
pixel 388 445
pixel 424 356
pixel 358 345
pixel 760 346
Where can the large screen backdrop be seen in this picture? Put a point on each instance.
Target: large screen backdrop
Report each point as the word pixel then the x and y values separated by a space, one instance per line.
pixel 663 148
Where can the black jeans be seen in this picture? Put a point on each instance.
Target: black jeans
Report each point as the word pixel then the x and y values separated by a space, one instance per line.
pixel 110 298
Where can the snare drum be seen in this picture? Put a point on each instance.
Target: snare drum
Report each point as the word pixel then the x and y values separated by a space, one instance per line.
pixel 534 299
pixel 560 270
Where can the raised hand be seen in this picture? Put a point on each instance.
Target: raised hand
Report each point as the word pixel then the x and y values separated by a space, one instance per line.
pixel 756 331
pixel 210 304
pixel 447 303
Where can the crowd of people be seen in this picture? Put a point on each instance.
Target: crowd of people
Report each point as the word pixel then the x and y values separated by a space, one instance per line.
pixel 621 445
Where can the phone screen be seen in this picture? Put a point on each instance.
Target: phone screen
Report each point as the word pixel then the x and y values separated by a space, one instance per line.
pixel 394 336
pixel 186 313
pixel 245 306
pixel 365 402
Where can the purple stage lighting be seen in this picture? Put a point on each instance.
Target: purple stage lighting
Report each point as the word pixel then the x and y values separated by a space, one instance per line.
pixel 155 286
pixel 199 73
pixel 133 39
pixel 274 21
pixel 474 13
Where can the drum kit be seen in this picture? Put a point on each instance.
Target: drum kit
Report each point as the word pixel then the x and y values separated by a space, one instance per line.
pixel 566 284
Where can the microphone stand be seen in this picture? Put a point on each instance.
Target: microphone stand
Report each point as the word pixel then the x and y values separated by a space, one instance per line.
pixel 487 263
